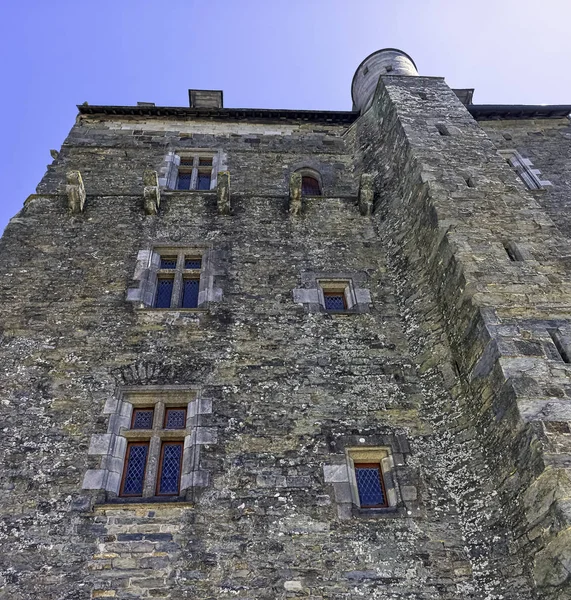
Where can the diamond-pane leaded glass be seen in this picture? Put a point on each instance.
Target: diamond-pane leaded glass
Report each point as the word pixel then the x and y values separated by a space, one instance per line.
pixel 175 418
pixel 143 418
pixel 203 182
pixel 334 302
pixel 168 263
pixel 135 470
pixel 190 293
pixel 369 485
pixel 170 468
pixel 164 293
pixel 193 263
pixel 183 181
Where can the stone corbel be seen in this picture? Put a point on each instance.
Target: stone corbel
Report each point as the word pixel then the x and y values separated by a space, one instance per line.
pixel 151 193
pixel 295 194
pixel 223 193
pixel 366 194
pixel 75 191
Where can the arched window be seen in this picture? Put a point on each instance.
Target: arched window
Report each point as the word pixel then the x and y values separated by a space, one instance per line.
pixel 310 186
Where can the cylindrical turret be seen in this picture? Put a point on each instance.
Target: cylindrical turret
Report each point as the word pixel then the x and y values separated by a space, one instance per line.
pixel 388 61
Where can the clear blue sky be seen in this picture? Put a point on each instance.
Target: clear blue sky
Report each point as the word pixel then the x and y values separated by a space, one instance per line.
pixel 262 53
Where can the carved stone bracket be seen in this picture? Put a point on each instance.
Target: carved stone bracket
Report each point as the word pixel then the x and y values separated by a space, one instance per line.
pixel 223 193
pixel 75 191
pixel 151 193
pixel 366 194
pixel 295 194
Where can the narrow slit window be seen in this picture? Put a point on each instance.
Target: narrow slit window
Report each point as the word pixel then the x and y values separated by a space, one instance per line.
pixel 512 251
pixel 556 338
pixel 164 293
pixel 135 467
pixel 142 418
pixel 190 293
pixel 175 418
pixel 370 485
pixel 170 465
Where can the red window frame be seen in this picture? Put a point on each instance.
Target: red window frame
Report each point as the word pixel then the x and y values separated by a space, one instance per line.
pixel 377 466
pixel 167 410
pixel 136 410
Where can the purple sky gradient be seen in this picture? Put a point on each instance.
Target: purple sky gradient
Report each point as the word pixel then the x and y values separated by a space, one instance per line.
pixel 262 53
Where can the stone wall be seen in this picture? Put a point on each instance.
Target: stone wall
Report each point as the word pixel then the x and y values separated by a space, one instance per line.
pixel 448 368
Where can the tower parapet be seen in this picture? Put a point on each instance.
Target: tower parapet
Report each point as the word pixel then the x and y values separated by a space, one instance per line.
pixel 388 61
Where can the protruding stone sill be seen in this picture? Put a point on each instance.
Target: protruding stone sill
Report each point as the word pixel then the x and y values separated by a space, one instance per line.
pixel 147 504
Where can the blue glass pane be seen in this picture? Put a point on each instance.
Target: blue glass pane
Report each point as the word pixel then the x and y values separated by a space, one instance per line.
pixel 170 469
pixel 143 418
pixel 176 418
pixel 183 181
pixel 193 263
pixel 190 293
pixel 203 181
pixel 135 474
pixel 369 486
pixel 334 302
pixel 168 263
pixel 164 293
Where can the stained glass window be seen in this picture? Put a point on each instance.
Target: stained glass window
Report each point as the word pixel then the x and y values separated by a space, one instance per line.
pixel 134 474
pixel 310 186
pixel 170 465
pixel 334 301
pixel 192 263
pixel 190 293
pixel 175 418
pixel 370 485
pixel 164 293
pixel 142 418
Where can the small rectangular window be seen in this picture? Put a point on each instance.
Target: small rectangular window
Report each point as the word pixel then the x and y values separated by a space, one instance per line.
pixel 170 465
pixel 142 418
pixel 204 161
pixel 164 292
pixel 370 485
pixel 190 293
pixel 168 262
pixel 335 300
pixel 135 467
pixel 192 263
pixel 175 418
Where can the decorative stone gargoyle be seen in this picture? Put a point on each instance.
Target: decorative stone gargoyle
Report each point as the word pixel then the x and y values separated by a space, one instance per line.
pixel 75 191
pixel 223 192
pixel 151 193
pixel 366 194
pixel 295 194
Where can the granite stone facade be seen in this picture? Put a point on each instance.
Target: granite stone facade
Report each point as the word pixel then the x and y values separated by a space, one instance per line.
pixel 447 365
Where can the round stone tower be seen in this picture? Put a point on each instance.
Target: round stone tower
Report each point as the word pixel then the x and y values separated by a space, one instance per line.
pixel 388 61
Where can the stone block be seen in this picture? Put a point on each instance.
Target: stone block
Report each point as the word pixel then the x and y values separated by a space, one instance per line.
pixel 94 479
pixel 335 473
pixel 100 443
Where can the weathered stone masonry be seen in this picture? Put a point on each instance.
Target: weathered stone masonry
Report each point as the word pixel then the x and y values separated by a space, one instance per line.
pixel 448 364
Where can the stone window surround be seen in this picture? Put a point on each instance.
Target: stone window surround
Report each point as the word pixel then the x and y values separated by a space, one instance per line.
pixel 148 266
pixel 389 450
pixel 524 169
pixel 111 446
pixel 309 172
pixel 313 284
pixel 168 173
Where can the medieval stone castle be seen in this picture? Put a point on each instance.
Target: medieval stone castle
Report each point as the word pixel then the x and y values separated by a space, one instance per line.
pixel 263 354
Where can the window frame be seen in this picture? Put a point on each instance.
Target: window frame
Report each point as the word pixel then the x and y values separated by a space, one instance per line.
pixel 196 169
pixel 160 467
pixel 362 465
pixel 178 275
pixel 377 455
pixel 126 464
pixel 336 287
